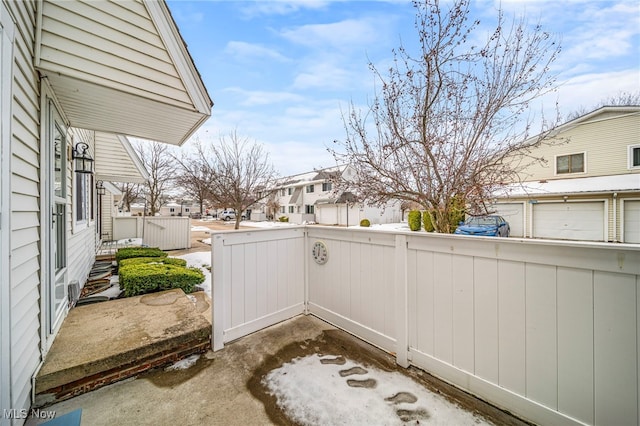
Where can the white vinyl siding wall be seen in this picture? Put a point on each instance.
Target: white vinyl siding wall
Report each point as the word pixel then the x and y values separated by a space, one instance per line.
pixel 25 241
pixel 605 141
pixel 81 238
pixel 128 42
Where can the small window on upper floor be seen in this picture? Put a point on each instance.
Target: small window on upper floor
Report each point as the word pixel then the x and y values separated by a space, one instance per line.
pixel 289 191
pixel 571 163
pixel 282 192
pixel 311 188
pixel 634 156
pixel 326 186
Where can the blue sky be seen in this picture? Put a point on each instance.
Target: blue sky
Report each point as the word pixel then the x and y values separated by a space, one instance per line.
pixel 284 72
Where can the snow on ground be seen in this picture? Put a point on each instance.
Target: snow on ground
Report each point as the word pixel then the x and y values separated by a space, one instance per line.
pixel 323 390
pixel 202 260
pixel 183 364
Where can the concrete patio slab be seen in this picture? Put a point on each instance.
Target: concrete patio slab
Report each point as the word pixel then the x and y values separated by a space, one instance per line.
pixel 227 387
pixel 101 343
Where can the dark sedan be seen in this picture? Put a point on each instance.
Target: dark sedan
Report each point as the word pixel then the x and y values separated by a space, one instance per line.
pixel 485 226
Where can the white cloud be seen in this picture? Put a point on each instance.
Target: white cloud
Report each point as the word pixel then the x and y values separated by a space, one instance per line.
pixel 280 7
pixel 349 34
pixel 243 50
pixel 586 90
pixel 257 97
pixel 323 75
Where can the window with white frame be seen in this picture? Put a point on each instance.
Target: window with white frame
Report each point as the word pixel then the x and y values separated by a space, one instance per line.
pixel 84 197
pixel 289 191
pixel 634 156
pixel 172 210
pixel 282 193
pixel 326 186
pixel 291 209
pixel 309 209
pixel 311 188
pixel 570 163
pixel 282 209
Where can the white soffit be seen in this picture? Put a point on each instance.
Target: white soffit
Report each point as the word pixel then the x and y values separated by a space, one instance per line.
pixel 121 67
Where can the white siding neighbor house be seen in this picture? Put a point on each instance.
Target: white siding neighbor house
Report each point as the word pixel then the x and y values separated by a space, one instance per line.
pixel 589 188
pixel 74 77
pixel 311 197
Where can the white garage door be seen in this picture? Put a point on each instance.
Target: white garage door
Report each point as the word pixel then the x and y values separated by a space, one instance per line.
pixel 569 221
pixel 514 214
pixel 632 221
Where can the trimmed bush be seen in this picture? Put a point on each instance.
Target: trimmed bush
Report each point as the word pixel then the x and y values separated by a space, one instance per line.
pixel 129 252
pixel 365 223
pixel 427 222
pixel 414 219
pixel 283 219
pixel 138 279
pixel 166 260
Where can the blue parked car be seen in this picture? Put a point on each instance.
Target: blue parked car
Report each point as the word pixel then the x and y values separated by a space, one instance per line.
pixel 485 226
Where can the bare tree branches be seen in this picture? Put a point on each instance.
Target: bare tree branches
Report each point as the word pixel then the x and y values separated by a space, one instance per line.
pixel 242 173
pixel 157 159
pixel 448 118
pixel 234 173
pixel 195 173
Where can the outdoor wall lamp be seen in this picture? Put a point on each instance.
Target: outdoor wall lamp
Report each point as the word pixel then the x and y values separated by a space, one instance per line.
pixel 83 161
pixel 100 188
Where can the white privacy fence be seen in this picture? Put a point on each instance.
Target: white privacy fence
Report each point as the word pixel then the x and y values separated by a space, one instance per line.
pixel 165 232
pixel 548 330
pixel 258 280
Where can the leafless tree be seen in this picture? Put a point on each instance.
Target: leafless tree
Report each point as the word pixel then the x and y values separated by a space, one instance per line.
pixel 449 117
pixel 157 159
pixel 620 99
pixel 273 206
pixel 130 192
pixel 241 171
pixel 194 175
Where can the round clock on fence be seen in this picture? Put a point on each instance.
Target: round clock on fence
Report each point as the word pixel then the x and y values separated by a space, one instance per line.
pixel 320 253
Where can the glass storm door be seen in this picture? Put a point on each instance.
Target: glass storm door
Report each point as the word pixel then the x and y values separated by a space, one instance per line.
pixel 57 292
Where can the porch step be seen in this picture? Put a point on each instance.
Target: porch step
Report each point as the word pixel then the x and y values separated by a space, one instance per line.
pixel 102 343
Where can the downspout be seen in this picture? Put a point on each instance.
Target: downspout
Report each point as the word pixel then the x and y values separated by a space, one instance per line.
pixel 615 217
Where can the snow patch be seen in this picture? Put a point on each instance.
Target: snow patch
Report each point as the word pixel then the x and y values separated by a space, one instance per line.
pixel 183 364
pixel 201 260
pixel 315 390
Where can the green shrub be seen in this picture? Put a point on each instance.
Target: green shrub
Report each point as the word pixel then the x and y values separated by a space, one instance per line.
pixel 129 252
pixel 414 219
pixel 138 279
pixel 283 219
pixel 427 222
pixel 365 223
pixel 166 260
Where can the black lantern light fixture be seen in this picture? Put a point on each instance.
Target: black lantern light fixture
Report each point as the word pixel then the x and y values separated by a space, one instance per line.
pixel 100 188
pixel 83 161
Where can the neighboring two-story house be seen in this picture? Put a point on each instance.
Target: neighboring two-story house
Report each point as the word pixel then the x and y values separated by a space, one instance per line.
pixel 589 187
pixel 311 197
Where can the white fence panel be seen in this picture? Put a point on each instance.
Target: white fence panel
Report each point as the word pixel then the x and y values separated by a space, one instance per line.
pixel 258 280
pixel 166 233
pixel 355 288
pixel 548 330
pixel 126 227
